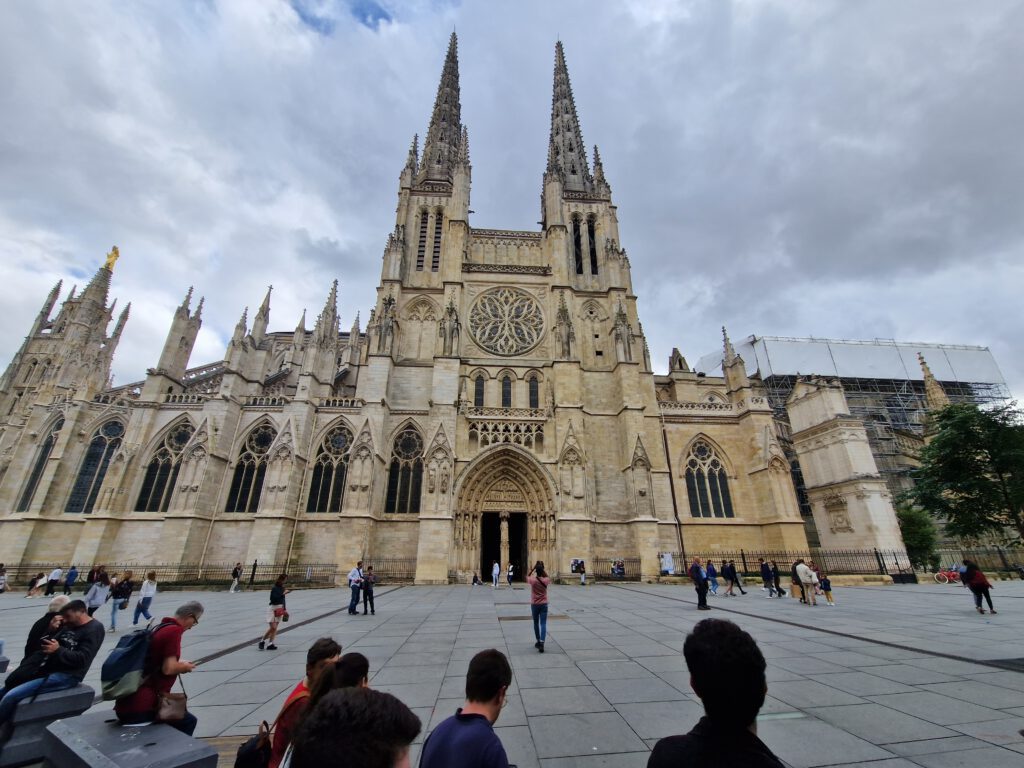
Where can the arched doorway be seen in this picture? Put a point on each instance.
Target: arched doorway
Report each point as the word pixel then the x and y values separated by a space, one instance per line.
pixel 504 511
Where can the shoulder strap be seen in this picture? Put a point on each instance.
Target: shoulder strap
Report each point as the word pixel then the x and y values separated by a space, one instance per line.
pixel 288 704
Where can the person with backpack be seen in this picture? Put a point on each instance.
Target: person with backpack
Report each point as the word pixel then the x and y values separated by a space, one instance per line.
pixel 160 670
pixel 120 593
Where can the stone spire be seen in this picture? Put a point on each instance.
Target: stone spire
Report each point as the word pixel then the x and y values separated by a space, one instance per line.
pixel 567 155
pixel 728 352
pixel 413 160
pixel 47 308
pixel 300 331
pixel 183 308
pixel 935 397
pixel 198 316
pixel 441 148
pixel 241 327
pixel 262 319
pixel 326 329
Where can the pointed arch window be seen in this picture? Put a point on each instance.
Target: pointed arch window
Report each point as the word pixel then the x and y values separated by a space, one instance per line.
pixel 707 484
pixel 105 441
pixel 577 245
pixel 534 387
pixel 506 392
pixel 435 258
pixel 592 241
pixel 328 487
pixel 421 245
pixel 37 469
pixel 405 476
pixel 250 470
pixel 162 470
pixel 478 391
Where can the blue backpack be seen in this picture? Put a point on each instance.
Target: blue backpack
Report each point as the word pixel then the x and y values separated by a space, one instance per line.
pixel 125 668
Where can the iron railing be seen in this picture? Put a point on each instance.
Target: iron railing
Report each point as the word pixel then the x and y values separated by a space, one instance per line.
pixel 191 574
pixel 614 569
pixel 838 561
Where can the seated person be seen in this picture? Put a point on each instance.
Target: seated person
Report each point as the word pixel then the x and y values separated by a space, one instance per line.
pixel 47 624
pixel 727 673
pixel 355 728
pixel 162 667
pixel 467 738
pixel 322 653
pixel 61 661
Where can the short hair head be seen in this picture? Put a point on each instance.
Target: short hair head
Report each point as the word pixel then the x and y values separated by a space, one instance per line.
pixel 192 608
pixel 488 673
pixel 354 728
pixel 323 649
pixel 726 671
pixel 539 569
pixel 57 603
pixel 151 575
pixel 281 579
pixel 74 606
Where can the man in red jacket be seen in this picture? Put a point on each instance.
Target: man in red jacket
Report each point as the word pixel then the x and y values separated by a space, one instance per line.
pixel 323 652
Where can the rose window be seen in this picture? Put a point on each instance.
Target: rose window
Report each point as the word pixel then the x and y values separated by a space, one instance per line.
pixel 506 321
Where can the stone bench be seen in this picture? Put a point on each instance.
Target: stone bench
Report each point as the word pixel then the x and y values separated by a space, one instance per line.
pixel 31 716
pixel 97 740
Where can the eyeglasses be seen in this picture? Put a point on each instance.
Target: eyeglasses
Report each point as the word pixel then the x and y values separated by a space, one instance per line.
pixel 195 619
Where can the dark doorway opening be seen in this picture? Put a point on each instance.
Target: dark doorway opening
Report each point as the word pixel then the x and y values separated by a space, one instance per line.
pixel 517 553
pixel 490 544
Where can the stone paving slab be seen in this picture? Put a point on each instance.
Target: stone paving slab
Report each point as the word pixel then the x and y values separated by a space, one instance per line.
pixel 613 679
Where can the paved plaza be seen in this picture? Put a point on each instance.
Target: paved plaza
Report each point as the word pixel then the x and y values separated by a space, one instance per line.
pixel 869 682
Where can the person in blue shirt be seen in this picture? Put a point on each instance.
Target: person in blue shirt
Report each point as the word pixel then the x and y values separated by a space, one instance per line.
pixel 70 579
pixel 467 738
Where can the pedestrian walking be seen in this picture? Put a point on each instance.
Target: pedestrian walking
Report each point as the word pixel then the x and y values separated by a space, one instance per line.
pixel 766 577
pixel 355 581
pixel 511 570
pixel 826 588
pixel 146 594
pixel 53 580
pixel 120 593
pixel 975 581
pixel 539 583
pixel 495 574
pixel 369 579
pixel 712 575
pixel 277 610
pixel 583 574
pixel 97 594
pixel 70 579
pixel 35 587
pixel 775 578
pixel 3 578
pixel 236 575
pixel 736 577
pixel 700 583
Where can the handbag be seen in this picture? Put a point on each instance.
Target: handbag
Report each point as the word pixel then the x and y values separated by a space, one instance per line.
pixel 280 612
pixel 123 606
pixel 171 707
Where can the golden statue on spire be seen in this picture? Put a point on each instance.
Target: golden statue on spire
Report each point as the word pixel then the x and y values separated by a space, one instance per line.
pixel 112 258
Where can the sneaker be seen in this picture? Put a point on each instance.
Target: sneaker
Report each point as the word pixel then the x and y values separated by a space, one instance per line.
pixel 541 648
pixel 992 611
pixel 271 647
pixel 537 645
pixel 263 645
pixel 703 608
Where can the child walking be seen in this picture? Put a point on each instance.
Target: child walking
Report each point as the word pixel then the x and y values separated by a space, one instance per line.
pixel 826 586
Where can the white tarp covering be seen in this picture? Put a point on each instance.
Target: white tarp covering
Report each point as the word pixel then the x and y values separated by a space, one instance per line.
pixel 772 355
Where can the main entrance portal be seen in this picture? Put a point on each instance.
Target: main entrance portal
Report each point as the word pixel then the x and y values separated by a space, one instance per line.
pixel 504 512
pixel 503 538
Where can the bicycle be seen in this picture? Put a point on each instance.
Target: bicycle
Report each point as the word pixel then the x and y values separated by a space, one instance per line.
pixel 948 576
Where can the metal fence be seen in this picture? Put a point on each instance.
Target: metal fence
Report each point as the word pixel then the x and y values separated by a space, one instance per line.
pixel 837 561
pixel 191 574
pixel 614 569
pixel 987 558
pixel 392 568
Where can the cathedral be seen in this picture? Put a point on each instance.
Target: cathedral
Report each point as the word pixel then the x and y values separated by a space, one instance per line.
pixel 499 404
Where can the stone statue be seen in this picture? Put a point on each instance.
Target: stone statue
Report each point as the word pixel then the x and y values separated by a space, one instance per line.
pixel 112 258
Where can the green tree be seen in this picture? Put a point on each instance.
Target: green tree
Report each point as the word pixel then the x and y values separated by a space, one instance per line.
pixel 972 471
pixel 919 536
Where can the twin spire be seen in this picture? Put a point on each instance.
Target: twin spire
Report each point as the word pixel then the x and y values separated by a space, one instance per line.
pixel 447 140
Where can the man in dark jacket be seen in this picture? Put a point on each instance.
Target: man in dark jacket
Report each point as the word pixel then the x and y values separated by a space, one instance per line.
pixel 796 579
pixel 727 672
pixel 62 661
pixel 700 583
pixel 766 577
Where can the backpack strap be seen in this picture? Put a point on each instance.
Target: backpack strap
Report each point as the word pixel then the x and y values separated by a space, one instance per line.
pixel 287 705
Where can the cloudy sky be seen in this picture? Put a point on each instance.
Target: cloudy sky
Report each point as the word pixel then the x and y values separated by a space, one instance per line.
pixel 846 170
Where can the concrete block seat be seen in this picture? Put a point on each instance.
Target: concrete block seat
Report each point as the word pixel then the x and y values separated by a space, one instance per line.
pixel 22 735
pixel 97 740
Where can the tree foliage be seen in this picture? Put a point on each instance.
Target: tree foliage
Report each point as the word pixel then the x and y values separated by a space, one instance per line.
pixel 972 471
pixel 919 536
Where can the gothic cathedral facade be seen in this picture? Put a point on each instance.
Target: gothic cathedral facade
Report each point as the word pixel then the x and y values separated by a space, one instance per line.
pixel 500 404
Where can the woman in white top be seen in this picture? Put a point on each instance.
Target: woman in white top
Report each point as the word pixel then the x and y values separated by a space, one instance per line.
pixel 146 594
